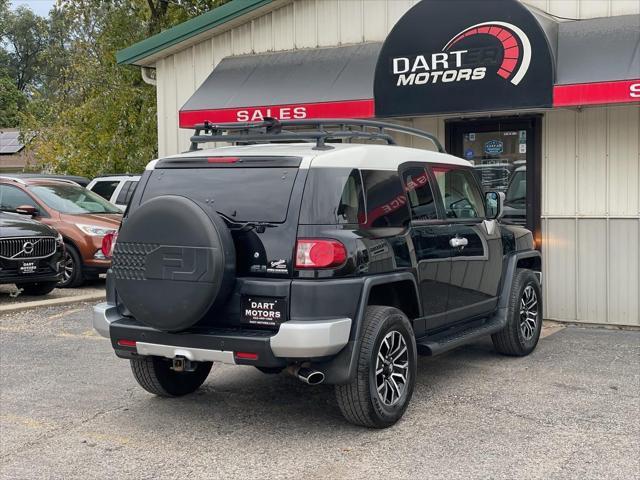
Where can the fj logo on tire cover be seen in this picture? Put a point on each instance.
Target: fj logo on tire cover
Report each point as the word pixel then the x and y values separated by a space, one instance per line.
pixel 184 264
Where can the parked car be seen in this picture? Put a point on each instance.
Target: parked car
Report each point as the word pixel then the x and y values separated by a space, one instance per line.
pixel 30 254
pixel 336 263
pixel 82 181
pixel 82 217
pixel 118 189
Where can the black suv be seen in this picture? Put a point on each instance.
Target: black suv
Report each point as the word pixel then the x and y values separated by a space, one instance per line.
pixel 30 254
pixel 335 262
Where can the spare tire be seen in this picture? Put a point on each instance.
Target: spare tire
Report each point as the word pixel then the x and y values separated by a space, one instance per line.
pixel 173 262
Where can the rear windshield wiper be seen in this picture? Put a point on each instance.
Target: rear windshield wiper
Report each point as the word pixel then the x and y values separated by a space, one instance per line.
pixel 234 225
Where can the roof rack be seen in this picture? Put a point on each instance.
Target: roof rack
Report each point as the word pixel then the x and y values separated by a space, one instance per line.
pixel 12 179
pixel 21 181
pixel 319 131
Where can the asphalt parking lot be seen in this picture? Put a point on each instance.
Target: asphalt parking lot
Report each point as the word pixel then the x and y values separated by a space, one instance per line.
pixel 70 409
pixel 10 297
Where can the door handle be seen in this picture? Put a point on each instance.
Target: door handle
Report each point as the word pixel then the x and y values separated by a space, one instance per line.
pixel 458 242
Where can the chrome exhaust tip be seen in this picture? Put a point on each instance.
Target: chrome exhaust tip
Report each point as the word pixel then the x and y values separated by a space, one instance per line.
pixel 306 375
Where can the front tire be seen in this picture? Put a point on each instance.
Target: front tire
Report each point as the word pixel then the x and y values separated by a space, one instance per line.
pixel 386 370
pixel 155 375
pixel 71 268
pixel 37 289
pixel 524 317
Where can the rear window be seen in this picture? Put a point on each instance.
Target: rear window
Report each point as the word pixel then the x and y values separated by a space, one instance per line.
pixel 243 194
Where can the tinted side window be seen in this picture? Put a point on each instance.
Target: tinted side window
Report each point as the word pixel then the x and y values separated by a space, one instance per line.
pixel 421 200
pixel 105 188
pixel 386 200
pixel 460 194
pixel 332 196
pixel 12 198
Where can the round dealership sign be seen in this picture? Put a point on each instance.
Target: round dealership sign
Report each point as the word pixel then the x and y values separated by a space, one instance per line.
pixel 464 56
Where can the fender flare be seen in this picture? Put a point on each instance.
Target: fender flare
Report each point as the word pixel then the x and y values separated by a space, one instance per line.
pixel 342 368
pixel 509 273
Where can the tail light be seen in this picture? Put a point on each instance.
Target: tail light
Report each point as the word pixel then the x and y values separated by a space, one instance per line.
pixel 317 253
pixel 108 244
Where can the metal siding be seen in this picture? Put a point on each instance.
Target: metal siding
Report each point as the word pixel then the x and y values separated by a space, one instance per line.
pixel 602 256
pixel 305 24
pixel 263 34
pixel 624 7
pixel 559 276
pixel 541 4
pixel 221 47
pixel 241 39
pixel 559 173
pixel 593 9
pixel 564 8
pixel 202 61
pixel 592 270
pixel 162 78
pixel 396 9
pixel 328 23
pixel 185 86
pixel 624 160
pixel 375 20
pixel 351 25
pixel 434 125
pixel 592 161
pixel 170 130
pixel 624 271
pixel 283 31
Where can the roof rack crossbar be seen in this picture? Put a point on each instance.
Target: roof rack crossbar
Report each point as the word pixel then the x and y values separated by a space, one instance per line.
pixel 320 136
pixel 319 130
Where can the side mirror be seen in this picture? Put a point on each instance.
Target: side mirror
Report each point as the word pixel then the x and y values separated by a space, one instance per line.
pixel 26 210
pixel 494 205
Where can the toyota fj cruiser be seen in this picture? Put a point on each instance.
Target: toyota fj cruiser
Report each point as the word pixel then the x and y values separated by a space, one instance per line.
pixel 335 262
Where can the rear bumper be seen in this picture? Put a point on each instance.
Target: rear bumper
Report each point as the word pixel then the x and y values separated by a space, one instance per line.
pixel 294 340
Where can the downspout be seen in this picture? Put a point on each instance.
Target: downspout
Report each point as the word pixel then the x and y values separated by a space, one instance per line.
pixel 148 75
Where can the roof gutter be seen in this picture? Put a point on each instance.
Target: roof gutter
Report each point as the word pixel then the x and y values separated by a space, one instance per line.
pixel 137 52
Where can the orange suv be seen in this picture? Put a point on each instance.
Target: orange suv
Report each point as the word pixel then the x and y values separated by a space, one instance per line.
pixel 82 218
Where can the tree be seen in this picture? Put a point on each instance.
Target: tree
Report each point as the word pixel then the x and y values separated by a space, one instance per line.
pixel 89 115
pixel 24 34
pixel 12 102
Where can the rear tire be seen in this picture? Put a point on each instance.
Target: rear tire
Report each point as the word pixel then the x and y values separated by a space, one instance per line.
pixel 71 268
pixel 524 317
pixel 386 370
pixel 37 289
pixel 154 374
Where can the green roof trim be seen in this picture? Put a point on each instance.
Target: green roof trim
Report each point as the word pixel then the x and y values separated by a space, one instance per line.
pixel 188 29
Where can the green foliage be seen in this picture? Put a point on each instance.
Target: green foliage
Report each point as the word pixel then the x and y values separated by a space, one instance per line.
pixel 24 34
pixel 12 102
pixel 87 115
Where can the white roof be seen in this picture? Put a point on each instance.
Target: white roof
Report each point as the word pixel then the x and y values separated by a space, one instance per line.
pixel 351 155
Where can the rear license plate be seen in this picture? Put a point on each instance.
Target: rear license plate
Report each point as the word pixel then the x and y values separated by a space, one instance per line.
pixel 262 311
pixel 28 267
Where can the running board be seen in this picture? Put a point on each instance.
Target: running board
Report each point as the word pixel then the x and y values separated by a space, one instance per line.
pixel 443 343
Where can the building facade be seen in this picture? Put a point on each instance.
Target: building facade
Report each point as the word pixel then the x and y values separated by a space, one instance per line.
pixel 569 153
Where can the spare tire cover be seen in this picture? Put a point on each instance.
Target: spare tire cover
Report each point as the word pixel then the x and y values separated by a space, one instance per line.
pixel 172 262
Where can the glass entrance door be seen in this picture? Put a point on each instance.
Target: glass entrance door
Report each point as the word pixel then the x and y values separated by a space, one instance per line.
pixel 505 154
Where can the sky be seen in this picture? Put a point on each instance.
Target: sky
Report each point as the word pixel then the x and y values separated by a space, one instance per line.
pixel 39 7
